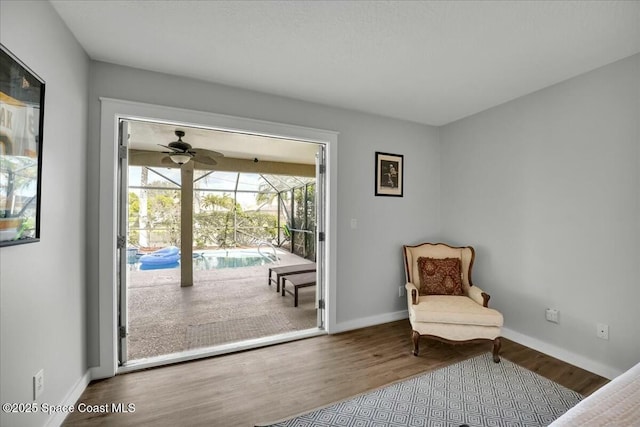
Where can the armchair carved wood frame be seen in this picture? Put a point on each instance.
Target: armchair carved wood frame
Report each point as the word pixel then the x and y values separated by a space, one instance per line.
pixel 450 318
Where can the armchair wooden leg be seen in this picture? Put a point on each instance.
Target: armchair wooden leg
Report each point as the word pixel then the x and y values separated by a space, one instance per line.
pixel 416 339
pixel 496 349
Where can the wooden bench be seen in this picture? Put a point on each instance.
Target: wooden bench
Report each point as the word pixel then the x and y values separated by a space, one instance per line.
pixel 301 280
pixel 281 272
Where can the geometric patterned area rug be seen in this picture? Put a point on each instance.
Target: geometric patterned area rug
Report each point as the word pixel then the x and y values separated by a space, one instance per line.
pixel 475 392
pixel 225 331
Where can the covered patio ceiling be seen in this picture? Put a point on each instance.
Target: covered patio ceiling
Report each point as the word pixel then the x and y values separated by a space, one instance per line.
pixel 241 152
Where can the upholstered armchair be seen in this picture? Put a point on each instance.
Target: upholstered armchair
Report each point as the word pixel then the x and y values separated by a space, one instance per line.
pixel 442 301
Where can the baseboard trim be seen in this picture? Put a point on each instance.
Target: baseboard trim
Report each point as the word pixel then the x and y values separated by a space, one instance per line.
pixel 562 354
pixel 70 399
pixel 370 321
pixel 567 356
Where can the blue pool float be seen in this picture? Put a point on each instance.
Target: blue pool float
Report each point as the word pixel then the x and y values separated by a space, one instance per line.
pixel 163 258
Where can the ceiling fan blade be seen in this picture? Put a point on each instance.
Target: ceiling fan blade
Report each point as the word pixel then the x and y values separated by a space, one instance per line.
pixel 204 160
pixel 141 155
pixel 173 149
pixel 208 153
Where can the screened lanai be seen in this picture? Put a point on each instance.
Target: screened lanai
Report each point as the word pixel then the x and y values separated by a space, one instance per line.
pixel 230 209
pixel 223 208
pixel 228 300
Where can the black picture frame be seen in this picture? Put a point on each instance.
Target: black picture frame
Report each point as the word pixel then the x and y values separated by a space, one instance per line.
pixel 389 176
pixel 21 133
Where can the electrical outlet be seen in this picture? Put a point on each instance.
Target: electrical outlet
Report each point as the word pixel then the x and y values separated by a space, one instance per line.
pixel 552 315
pixel 602 331
pixel 400 291
pixel 38 384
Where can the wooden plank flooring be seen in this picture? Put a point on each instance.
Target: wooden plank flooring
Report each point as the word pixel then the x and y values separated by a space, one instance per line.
pixel 275 382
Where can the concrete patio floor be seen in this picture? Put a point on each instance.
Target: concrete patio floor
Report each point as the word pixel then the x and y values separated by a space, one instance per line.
pixel 224 305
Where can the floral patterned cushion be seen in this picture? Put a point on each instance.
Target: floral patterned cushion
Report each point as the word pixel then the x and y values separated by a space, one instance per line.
pixel 440 276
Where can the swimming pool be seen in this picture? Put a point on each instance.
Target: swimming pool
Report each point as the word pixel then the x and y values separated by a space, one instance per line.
pixel 212 259
pixel 231 258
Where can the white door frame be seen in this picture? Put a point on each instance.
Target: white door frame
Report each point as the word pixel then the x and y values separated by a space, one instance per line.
pixel 112 110
pixel 122 278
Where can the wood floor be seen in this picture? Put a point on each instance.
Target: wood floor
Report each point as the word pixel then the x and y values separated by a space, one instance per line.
pixel 275 382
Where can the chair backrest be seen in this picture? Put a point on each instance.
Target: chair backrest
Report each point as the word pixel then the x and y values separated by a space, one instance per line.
pixel 466 254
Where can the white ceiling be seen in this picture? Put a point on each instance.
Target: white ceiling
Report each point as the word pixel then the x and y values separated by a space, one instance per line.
pixel 431 62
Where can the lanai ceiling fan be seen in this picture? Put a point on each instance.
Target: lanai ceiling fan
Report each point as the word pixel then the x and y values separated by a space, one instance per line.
pixel 180 152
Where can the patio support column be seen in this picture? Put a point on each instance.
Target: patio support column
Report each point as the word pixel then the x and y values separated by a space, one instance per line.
pixel 186 225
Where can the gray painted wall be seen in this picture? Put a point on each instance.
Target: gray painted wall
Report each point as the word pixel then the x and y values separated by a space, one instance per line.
pixel 547 188
pixel 42 285
pixel 369 265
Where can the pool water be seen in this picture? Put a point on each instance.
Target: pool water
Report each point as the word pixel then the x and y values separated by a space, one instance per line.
pixel 209 260
pixel 215 259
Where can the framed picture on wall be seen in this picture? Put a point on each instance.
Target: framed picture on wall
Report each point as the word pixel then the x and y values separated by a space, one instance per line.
pixel 389 174
pixel 21 123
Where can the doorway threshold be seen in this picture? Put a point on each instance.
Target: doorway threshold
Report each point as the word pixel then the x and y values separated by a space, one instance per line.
pixel 219 350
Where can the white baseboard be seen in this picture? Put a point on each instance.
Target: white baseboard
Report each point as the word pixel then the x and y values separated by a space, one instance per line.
pixel 534 343
pixel 70 399
pixel 370 321
pixel 562 354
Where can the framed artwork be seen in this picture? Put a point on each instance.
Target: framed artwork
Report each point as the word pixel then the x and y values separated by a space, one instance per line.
pixel 21 123
pixel 389 173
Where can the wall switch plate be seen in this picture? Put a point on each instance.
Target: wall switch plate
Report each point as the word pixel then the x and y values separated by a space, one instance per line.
pixel 38 384
pixel 552 315
pixel 602 331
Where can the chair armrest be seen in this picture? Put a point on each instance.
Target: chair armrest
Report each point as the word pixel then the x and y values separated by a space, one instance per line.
pixel 476 294
pixel 412 293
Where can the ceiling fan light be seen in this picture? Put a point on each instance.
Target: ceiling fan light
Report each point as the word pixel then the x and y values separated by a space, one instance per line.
pixel 179 158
